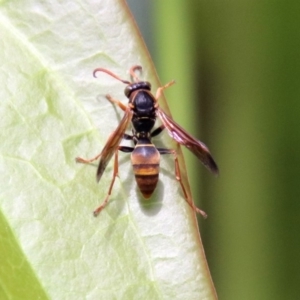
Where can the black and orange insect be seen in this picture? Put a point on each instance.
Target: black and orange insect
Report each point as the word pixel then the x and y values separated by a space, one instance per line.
pixel 142 111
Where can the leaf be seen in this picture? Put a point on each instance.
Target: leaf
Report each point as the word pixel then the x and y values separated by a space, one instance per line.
pixel 52 110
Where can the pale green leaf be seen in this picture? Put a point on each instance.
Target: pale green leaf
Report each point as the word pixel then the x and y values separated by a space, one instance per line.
pixel 52 110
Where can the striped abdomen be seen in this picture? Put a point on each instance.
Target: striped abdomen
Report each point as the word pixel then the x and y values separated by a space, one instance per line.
pixel 145 162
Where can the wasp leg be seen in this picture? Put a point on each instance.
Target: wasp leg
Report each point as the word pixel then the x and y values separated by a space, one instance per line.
pixel 157 131
pixel 127 137
pixel 115 174
pixel 178 177
pixel 126 149
pixel 160 89
pixel 121 148
pixel 116 101
pixel 87 161
pixel 131 138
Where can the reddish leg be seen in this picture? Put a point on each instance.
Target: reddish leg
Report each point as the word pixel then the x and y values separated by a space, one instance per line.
pixel 115 174
pixel 87 161
pixel 178 178
pixel 160 89
pixel 116 101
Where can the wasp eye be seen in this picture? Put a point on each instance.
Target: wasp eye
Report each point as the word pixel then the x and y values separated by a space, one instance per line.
pixel 148 84
pixel 127 91
pixel 135 86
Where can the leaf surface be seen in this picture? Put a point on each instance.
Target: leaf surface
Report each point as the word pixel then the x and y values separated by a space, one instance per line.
pixel 52 110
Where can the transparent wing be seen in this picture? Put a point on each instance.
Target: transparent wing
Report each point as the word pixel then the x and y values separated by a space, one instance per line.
pixel 184 138
pixel 113 142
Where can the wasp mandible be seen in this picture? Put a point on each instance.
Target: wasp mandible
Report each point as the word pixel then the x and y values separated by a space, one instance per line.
pixel 142 111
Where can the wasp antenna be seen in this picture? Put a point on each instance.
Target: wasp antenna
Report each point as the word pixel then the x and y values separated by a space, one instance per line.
pixel 111 74
pixel 132 72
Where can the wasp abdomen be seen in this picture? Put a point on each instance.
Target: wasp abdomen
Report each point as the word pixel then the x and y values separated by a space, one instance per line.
pixel 145 160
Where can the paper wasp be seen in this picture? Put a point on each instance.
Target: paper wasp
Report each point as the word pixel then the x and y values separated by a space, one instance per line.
pixel 142 111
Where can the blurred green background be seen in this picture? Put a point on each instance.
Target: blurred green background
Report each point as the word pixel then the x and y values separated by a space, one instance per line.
pixel 237 68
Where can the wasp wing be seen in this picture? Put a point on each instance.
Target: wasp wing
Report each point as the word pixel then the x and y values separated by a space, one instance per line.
pixel 113 142
pixel 185 139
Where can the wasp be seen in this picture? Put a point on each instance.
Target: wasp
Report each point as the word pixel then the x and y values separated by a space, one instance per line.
pixel 142 111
